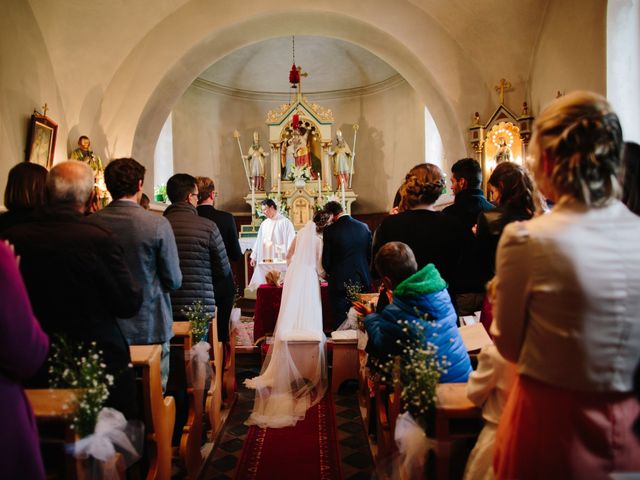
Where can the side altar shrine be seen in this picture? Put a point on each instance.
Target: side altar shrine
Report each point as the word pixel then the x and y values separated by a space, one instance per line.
pixel 303 168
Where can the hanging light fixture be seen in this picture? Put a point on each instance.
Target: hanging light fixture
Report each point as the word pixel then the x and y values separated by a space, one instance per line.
pixel 294 74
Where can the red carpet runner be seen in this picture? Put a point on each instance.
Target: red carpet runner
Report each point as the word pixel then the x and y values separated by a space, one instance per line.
pixel 307 451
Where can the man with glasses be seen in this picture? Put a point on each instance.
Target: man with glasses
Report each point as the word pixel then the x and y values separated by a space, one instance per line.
pixel 229 231
pixel 206 273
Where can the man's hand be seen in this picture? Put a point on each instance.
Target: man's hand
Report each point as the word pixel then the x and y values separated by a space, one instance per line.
pixel 252 262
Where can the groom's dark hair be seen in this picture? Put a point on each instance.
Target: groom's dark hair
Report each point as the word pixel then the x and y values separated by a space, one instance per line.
pixel 396 261
pixel 333 208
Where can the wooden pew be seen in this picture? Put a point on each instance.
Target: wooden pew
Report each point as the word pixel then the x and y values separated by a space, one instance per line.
pixel 387 408
pixel 455 418
pixel 54 410
pixel 345 364
pixel 181 378
pixel 213 405
pixel 159 412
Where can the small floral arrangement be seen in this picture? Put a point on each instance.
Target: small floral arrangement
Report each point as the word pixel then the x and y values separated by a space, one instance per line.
pixel 300 172
pixel 81 367
pixel 199 320
pixel 418 371
pixel 353 290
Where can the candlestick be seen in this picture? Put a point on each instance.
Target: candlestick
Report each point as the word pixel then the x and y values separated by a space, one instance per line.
pixel 253 202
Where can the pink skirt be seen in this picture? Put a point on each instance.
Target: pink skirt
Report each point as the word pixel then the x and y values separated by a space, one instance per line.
pixel 550 432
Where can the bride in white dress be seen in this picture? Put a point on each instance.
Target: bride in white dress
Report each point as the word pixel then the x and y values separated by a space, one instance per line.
pixel 294 374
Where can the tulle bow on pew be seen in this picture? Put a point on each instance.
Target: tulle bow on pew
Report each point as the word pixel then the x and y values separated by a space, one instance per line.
pixel 199 365
pixel 413 446
pixel 112 434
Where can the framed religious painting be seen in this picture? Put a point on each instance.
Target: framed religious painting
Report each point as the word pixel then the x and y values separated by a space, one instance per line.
pixel 41 140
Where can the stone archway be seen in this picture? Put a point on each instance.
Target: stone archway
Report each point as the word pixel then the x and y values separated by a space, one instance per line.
pixel 143 90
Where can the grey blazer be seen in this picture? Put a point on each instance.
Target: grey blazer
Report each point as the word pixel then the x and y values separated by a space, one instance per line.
pixel 152 256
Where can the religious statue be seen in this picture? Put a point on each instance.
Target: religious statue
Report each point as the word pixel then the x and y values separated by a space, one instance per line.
pixel 84 154
pixel 256 158
pixel 342 161
pixel 504 152
pixel 287 156
pixel 300 141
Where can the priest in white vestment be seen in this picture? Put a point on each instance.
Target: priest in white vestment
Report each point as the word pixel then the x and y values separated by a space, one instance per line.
pixel 274 239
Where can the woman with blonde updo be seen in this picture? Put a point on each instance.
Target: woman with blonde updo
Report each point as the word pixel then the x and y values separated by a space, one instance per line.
pixel 434 237
pixel 566 306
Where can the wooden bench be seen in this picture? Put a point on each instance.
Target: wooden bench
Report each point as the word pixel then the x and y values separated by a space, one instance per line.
pixel 159 412
pixel 345 364
pixel 181 379
pixel 54 410
pixel 213 403
pixel 455 418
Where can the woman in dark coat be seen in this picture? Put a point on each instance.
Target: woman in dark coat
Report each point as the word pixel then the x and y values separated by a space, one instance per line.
pixel 432 236
pixel 512 192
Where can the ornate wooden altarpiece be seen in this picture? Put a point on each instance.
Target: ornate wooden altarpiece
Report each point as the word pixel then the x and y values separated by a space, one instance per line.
pixel 504 137
pixel 299 198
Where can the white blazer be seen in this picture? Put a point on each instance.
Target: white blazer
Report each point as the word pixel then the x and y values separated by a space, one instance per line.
pixel 568 297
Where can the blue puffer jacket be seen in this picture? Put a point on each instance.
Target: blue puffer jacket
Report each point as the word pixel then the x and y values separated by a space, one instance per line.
pixel 422 293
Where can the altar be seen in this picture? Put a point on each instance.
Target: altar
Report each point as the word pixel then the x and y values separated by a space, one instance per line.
pixel 301 170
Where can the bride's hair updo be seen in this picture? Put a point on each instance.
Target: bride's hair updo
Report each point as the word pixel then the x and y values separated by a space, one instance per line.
pixel 576 148
pixel 423 185
pixel 321 219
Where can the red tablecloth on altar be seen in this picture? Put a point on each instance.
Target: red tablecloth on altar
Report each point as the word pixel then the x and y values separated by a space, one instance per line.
pixel 268 305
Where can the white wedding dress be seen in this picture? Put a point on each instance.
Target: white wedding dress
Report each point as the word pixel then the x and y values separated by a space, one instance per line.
pixel 294 374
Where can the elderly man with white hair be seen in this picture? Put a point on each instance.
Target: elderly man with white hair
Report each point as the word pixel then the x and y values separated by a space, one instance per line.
pixel 77 279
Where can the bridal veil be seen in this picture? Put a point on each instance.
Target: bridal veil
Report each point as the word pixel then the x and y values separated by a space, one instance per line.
pixel 294 374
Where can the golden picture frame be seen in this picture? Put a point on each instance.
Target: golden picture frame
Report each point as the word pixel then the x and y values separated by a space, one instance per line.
pixel 41 140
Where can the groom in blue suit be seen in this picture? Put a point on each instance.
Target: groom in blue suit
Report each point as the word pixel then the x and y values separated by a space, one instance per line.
pixel 346 255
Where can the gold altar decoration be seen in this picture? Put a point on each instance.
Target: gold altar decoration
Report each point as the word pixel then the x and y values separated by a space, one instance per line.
pixel 503 137
pixel 298 198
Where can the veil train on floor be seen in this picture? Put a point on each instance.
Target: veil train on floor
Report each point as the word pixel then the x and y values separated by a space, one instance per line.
pixel 294 373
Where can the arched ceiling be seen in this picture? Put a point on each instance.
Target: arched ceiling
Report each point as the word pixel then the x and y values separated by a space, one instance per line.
pixel 332 64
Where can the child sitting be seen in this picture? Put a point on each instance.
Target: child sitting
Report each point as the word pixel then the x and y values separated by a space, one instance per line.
pixel 419 297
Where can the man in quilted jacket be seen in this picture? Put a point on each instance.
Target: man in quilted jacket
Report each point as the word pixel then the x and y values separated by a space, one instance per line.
pixel 206 273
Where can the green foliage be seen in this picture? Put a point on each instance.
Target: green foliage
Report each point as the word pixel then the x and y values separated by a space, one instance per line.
pixel 81 367
pixel 353 289
pixel 418 371
pixel 199 320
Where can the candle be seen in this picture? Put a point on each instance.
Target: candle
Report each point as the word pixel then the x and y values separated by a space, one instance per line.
pixel 319 185
pixel 344 205
pixel 253 202
pixel 278 187
pixel 268 250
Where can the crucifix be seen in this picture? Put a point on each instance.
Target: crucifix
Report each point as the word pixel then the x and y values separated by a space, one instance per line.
pixel 503 86
pixel 45 107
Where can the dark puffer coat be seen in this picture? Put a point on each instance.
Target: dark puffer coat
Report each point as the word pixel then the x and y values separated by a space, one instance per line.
pixel 206 274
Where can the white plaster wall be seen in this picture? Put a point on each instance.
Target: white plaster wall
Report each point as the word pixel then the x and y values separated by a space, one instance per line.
pixel 623 64
pixel 390 140
pixel 571 51
pixel 114 70
pixel 27 81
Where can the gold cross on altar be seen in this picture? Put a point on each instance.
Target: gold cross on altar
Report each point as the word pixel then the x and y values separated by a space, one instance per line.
pixel 45 107
pixel 503 86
